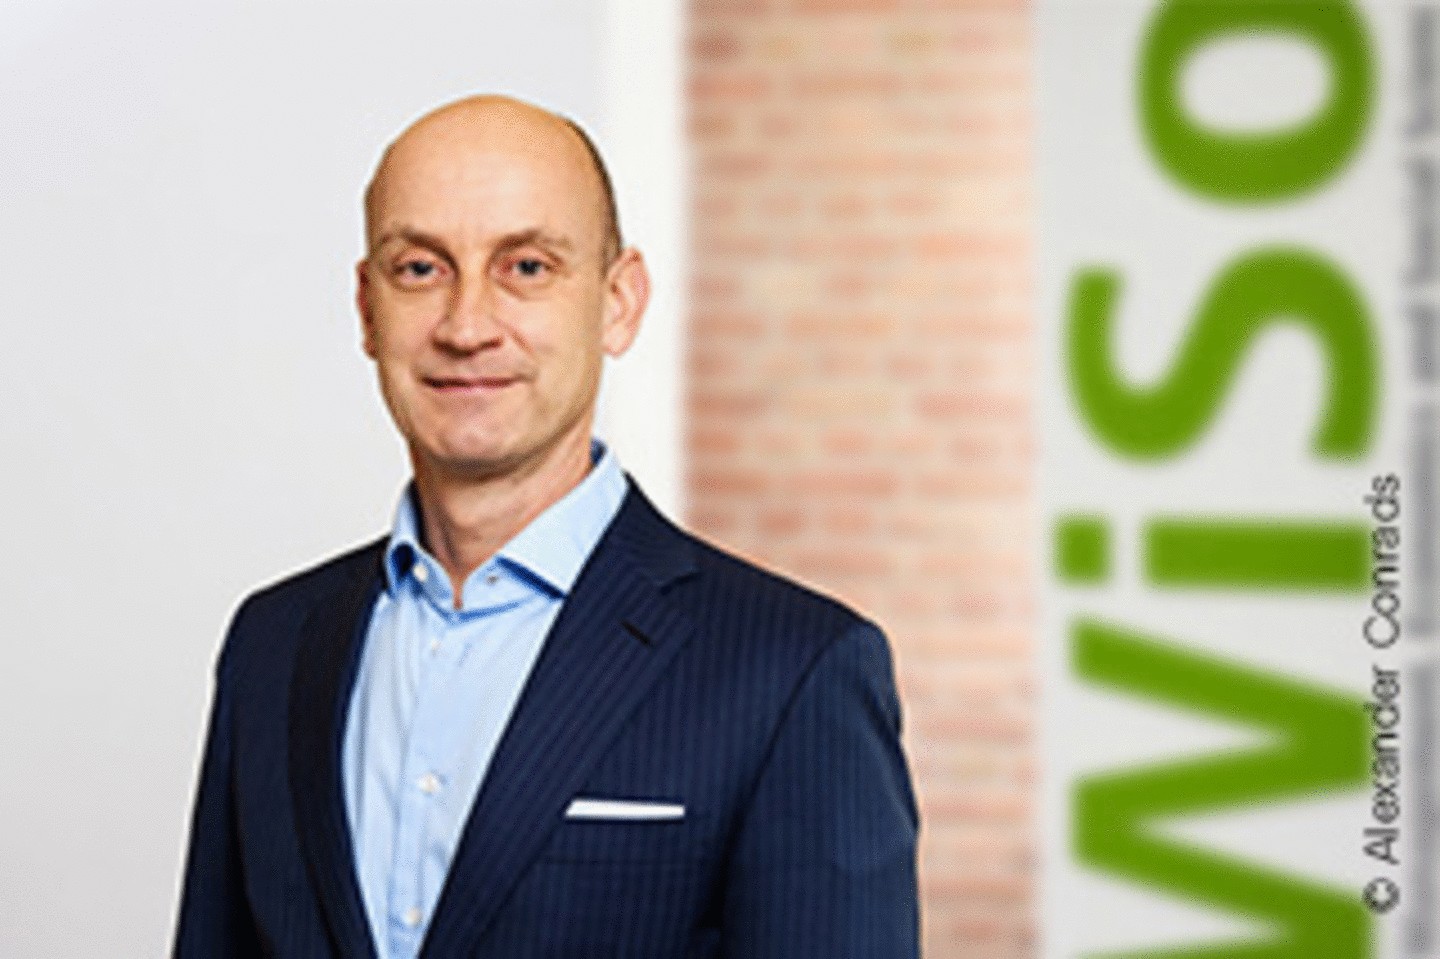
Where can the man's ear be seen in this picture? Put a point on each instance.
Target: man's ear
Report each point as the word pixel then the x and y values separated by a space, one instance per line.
pixel 627 292
pixel 362 306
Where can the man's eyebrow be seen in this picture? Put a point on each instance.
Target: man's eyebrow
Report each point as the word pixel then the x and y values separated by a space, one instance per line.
pixel 409 235
pixel 539 236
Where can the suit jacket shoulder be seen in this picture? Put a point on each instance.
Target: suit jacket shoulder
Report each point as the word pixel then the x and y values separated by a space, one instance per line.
pixel 736 578
pixel 759 613
pixel 278 608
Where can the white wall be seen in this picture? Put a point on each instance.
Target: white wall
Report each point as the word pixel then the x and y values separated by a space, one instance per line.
pixel 186 413
pixel 644 108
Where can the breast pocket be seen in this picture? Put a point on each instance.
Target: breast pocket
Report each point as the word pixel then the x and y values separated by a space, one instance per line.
pixel 621 840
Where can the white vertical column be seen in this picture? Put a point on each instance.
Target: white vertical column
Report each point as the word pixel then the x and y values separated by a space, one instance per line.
pixel 641 407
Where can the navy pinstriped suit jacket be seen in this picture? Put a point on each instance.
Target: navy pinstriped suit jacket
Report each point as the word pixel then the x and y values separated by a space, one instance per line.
pixel 674 672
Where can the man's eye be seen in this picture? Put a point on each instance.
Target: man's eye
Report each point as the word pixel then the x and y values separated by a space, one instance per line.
pixel 417 269
pixel 530 267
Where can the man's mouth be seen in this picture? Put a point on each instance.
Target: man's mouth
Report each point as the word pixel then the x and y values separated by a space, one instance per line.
pixel 462 385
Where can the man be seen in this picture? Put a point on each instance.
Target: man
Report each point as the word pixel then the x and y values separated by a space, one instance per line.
pixel 537 719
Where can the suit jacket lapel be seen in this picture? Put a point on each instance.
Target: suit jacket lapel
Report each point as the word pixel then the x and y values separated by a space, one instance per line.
pixel 325 664
pixel 613 638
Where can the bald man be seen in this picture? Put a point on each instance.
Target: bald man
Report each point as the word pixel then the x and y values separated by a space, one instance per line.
pixel 536 719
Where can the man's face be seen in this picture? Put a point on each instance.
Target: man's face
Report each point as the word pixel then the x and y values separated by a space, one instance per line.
pixel 486 302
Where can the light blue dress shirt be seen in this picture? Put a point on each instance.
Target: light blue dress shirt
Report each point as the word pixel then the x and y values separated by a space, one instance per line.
pixel 436 687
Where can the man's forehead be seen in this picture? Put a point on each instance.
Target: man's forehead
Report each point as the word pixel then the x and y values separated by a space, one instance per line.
pixel 467 212
pixel 484 155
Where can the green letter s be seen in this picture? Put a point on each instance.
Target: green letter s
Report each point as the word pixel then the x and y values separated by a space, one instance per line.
pixel 1260 289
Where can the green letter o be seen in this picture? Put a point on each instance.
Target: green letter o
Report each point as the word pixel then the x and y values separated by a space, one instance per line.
pixel 1249 167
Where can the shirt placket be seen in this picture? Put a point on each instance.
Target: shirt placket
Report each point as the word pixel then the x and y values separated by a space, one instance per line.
pixel 423 779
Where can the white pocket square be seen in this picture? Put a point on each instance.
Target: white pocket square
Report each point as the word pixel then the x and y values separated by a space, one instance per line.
pixel 630 809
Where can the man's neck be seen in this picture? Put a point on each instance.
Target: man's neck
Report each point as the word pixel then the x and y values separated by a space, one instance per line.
pixel 465 520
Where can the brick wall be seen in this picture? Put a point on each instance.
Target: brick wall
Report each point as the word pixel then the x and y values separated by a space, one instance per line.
pixel 860 374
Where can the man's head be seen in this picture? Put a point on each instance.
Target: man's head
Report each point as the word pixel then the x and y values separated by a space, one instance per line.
pixel 493 284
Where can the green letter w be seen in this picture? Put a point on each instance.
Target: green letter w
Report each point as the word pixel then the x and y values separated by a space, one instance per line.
pixel 1319 746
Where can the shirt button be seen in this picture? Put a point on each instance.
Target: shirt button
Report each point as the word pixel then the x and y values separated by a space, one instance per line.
pixel 429 784
pixel 412 916
pixel 434 646
pixel 421 572
pixel 492 579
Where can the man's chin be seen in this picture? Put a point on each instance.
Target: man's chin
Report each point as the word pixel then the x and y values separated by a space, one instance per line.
pixel 478 464
pixel 486 456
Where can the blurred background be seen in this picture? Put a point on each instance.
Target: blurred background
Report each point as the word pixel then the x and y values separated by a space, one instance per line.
pixel 861 360
pixel 1064 339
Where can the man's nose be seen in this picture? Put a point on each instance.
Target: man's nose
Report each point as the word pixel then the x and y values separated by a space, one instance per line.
pixel 469 322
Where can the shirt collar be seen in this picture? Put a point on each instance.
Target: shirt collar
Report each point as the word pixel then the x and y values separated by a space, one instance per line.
pixel 552 548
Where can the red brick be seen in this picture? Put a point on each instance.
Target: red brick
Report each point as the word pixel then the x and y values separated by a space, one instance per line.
pixel 848 441
pixel 720 362
pixel 910 365
pixel 774 126
pixel 850 284
pixel 988 726
pixel 837 323
pixel 851 524
pixel 714 45
pixel 741 87
pixel 784 368
pixel 913 202
pixel 780 522
pixel 831 401
pixel 713 288
pixel 724 441
pixel 1019 8
pixel 1001 77
pixel 846 206
pixel 977 483
pixel 965 244
pixel 843 362
pixel 725 324
pixel 1004 805
pixel 914 445
pixel 723 482
pixel 717 207
pixel 976 564
pixel 727 404
pixel 948 404
pixel 777 445
pixel 960 764
pixel 711 521
pixel 733 164
pixel 780 47
pixel 868 483
pixel 780 203
pixel 845 6
pixel 832 564
pixel 732 8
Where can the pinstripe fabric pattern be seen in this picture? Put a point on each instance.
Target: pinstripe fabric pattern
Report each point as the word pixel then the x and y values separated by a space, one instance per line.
pixel 674 673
